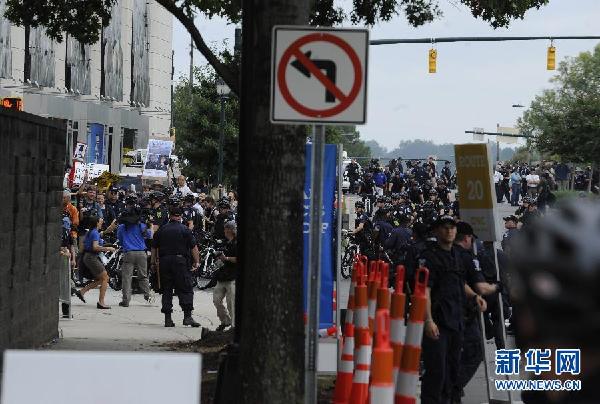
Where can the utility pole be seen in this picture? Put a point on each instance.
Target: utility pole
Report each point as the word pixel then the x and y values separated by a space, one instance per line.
pixel 191 67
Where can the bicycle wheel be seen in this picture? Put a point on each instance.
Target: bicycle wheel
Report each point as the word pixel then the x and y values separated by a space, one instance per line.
pixel 206 271
pixel 348 261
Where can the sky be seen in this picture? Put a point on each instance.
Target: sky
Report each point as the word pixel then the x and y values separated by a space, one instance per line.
pixel 476 84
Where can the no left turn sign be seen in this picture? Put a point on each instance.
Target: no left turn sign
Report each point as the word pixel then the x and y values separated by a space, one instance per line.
pixel 319 75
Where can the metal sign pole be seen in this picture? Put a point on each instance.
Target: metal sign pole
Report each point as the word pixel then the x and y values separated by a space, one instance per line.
pixel 338 255
pixel 314 263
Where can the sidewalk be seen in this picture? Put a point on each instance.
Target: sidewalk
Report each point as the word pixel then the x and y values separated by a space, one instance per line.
pixel 139 327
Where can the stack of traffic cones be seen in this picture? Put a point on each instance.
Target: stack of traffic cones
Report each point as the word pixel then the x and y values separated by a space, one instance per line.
pixel 388 370
pixel 408 374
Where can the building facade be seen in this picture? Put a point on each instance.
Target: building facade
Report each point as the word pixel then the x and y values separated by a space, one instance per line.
pixel 114 94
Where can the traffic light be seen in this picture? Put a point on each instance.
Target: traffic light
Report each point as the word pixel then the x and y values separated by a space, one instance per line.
pixel 13 103
pixel 432 60
pixel 551 63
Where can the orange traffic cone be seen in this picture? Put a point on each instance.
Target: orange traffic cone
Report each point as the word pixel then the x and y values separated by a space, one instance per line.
pixel 372 286
pixel 360 383
pixel 383 293
pixel 382 374
pixel 398 325
pixel 343 383
pixel 408 375
pixel 355 274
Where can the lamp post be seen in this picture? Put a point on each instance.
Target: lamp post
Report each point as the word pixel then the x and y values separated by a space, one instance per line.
pixel 223 90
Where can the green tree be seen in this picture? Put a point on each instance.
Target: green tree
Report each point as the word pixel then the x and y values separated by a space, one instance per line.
pixel 349 138
pixel 196 118
pixel 566 119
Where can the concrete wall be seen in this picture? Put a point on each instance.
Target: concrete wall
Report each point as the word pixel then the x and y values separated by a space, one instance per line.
pixel 31 175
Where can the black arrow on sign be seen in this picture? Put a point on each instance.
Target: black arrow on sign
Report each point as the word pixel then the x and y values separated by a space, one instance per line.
pixel 321 64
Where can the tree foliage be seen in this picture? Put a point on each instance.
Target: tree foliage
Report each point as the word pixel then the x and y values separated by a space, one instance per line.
pixel 60 16
pixel 566 119
pixel 196 117
pixel 349 138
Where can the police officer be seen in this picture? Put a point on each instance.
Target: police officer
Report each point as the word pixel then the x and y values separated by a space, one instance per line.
pixel 446 293
pixel 114 203
pixel 191 217
pixel 472 352
pixel 225 215
pixel 510 224
pixel 175 254
pixel 159 211
pixel 362 230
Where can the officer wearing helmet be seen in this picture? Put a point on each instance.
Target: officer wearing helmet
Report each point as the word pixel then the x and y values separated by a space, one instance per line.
pixel 225 215
pixel 174 256
pixel 362 229
pixel 191 217
pixel 555 268
pixel 159 213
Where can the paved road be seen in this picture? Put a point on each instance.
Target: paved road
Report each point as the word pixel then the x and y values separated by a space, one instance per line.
pixel 476 391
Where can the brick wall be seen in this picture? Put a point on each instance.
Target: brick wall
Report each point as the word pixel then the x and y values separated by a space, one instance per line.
pixel 32 155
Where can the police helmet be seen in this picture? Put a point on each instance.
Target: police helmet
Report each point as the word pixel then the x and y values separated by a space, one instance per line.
pixel 359 204
pixel 395 196
pixel 157 196
pixel 131 199
pixel 555 263
pixel 174 204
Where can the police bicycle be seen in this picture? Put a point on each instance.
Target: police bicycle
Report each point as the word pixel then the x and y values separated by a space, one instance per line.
pixel 351 250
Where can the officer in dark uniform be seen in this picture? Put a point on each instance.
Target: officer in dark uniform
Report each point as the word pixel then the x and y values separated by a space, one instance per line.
pixel 472 352
pixel 446 173
pixel 225 215
pixel 159 211
pixel 191 217
pixel 175 254
pixel 446 293
pixel 114 203
pixel 363 228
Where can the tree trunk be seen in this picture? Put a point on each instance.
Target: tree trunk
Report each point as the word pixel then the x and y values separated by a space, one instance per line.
pixel 270 216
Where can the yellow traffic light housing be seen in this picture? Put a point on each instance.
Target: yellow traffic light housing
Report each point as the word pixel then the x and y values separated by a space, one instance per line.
pixel 432 60
pixel 551 62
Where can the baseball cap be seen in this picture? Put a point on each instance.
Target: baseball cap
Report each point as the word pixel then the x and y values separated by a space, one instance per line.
pixel 511 217
pixel 465 228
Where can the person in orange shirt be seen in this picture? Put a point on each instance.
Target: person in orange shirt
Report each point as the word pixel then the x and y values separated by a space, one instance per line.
pixel 71 211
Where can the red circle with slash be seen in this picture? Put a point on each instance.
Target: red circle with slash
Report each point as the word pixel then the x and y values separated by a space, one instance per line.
pixel 294 51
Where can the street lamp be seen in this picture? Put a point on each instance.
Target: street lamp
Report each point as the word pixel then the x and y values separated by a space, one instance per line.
pixel 223 90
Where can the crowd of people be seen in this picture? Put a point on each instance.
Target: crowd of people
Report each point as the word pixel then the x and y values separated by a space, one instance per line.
pixel 409 215
pixel 158 231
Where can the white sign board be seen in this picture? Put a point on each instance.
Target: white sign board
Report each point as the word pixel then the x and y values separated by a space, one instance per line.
pixel 59 377
pixel 319 75
pixel 80 152
pixel 157 158
pixel 93 170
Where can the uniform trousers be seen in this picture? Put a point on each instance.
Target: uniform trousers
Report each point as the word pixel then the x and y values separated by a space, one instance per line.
pixel 441 358
pixel 175 276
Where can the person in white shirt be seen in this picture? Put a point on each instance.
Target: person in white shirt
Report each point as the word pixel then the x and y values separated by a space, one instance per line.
pixel 497 181
pixel 182 188
pixel 533 180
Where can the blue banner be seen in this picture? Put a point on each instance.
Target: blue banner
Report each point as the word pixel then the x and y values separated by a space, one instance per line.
pixel 95 153
pixel 327 241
